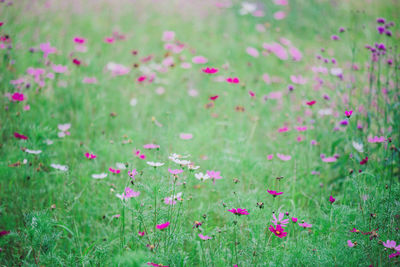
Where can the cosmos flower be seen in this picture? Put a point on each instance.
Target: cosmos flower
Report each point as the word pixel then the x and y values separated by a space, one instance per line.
pixel 175 172
pixel 162 226
pixel 311 103
pixel 59 167
pixel 90 156
pixel 233 80
pixel 116 171
pixel 239 212
pixel 204 237
pixel 274 193
pixel 99 176
pixel 294 219
pixel 155 164
pixel 279 220
pixel 278 231
pixel 364 161
pixel 172 199
pixel 18 97
pixel 305 225
pixel 214 175
pixel 348 113
pixel 132 174
pixel 331 199
pixel 283 157
pixel 391 244
pixel 350 244
pixel 35 152
pixel 200 176
pixel 151 146
pixel 20 136
pixel 209 70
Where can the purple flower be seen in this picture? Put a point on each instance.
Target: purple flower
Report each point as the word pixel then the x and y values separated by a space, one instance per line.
pixel 380 20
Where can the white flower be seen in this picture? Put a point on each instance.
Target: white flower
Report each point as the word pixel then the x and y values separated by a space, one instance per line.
pixel 133 102
pixel 99 176
pixel 336 71
pixel 48 142
pixel 202 177
pixel 324 112
pixel 120 165
pixel 247 8
pixel 33 151
pixel 192 167
pixel 59 167
pixel 155 164
pixel 358 146
pixel 181 162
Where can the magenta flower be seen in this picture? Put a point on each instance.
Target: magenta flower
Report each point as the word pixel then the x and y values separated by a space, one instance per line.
pixel 79 40
pixel 284 157
pixel 331 199
pixel 204 237
pixel 156 264
pixel 18 97
pixel 20 136
pixel 90 156
pixel 210 70
pixel 278 231
pixel 354 230
pixel 233 80
pixel 280 220
pixel 350 244
pixel 162 226
pixel 175 172
pixel 151 146
pixel 129 193
pixel 348 113
pixel 311 103
pixel 394 255
pixel 294 219
pixel 4 232
pixel 116 171
pixel 252 94
pixel 239 211
pixel 140 233
pixel 305 225
pixel 214 175
pixel 274 193
pixel 364 161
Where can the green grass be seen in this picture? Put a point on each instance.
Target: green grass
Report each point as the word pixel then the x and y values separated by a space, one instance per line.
pixel 81 229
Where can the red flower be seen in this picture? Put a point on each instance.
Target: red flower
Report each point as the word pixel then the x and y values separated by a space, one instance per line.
pixel 278 231
pixel 364 161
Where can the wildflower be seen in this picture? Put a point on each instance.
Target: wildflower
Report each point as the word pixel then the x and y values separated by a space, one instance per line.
pixel 380 20
pixel 185 136
pixel 364 161
pixel 140 233
pixel 348 113
pixel 335 37
pixel 197 224
pixel 151 146
pixel 35 152
pixel 214 175
pixel 376 139
pixel 132 174
pixel 202 177
pixel 59 167
pixel 279 221
pixel 344 122
pixel 172 199
pixel 294 219
pixel 199 60
pixel 391 244
pixel 155 164
pixel 99 176
pixel 210 70
pixel 270 157
pixel 252 51
pixel 156 264
pixel 252 94
pixel 162 226
pixel 350 244
pixel 311 103
pixel 213 98
pixel 90 156
pixel 204 237
pixel 18 97
pixel 274 193
pixel 175 172
pixel 278 231
pixel 20 136
pixel 283 157
pixel 232 80
pixel 116 171
pixel 331 199
pixel 76 61
pixel 305 225
pixel 239 211
pixel 4 232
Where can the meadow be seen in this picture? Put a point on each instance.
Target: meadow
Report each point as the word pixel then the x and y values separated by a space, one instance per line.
pixel 199 133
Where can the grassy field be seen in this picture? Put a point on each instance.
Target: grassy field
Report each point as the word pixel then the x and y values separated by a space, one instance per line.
pixel 199 133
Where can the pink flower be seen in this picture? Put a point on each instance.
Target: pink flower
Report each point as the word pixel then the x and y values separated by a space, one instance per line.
pixel 348 113
pixel 391 244
pixel 20 136
pixel 175 172
pixel 109 40
pixel 214 175
pixel 350 244
pixel 89 80
pixel 132 174
pixel 283 129
pixel 141 233
pixel 186 136
pixel 376 139
pixel 172 199
pixel 210 70
pixel 129 193
pixel 239 212
pixel 283 157
pixel 162 226
pixel 47 49
pixel 4 232
pixel 27 107
pixel 394 255
pixel 59 68
pixel 295 53
pixel 331 199
pixel 76 61
pixel 141 78
pixel 329 159
pixel 168 36
pixel 116 171
pixel 305 225
pixel 18 97
pixel 252 51
pixel 199 60
pixel 90 156
pixel 204 237
pixel 232 80
pixel 279 15
pixel 280 220
pixel 213 98
pixel 294 219
pixel 270 157
pixel 278 231
pixel 252 94
pixel 151 146
pixel 156 264
pixel 79 40
pixel 274 193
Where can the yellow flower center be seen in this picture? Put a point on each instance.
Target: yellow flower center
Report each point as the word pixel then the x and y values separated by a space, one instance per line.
pixel 278 233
